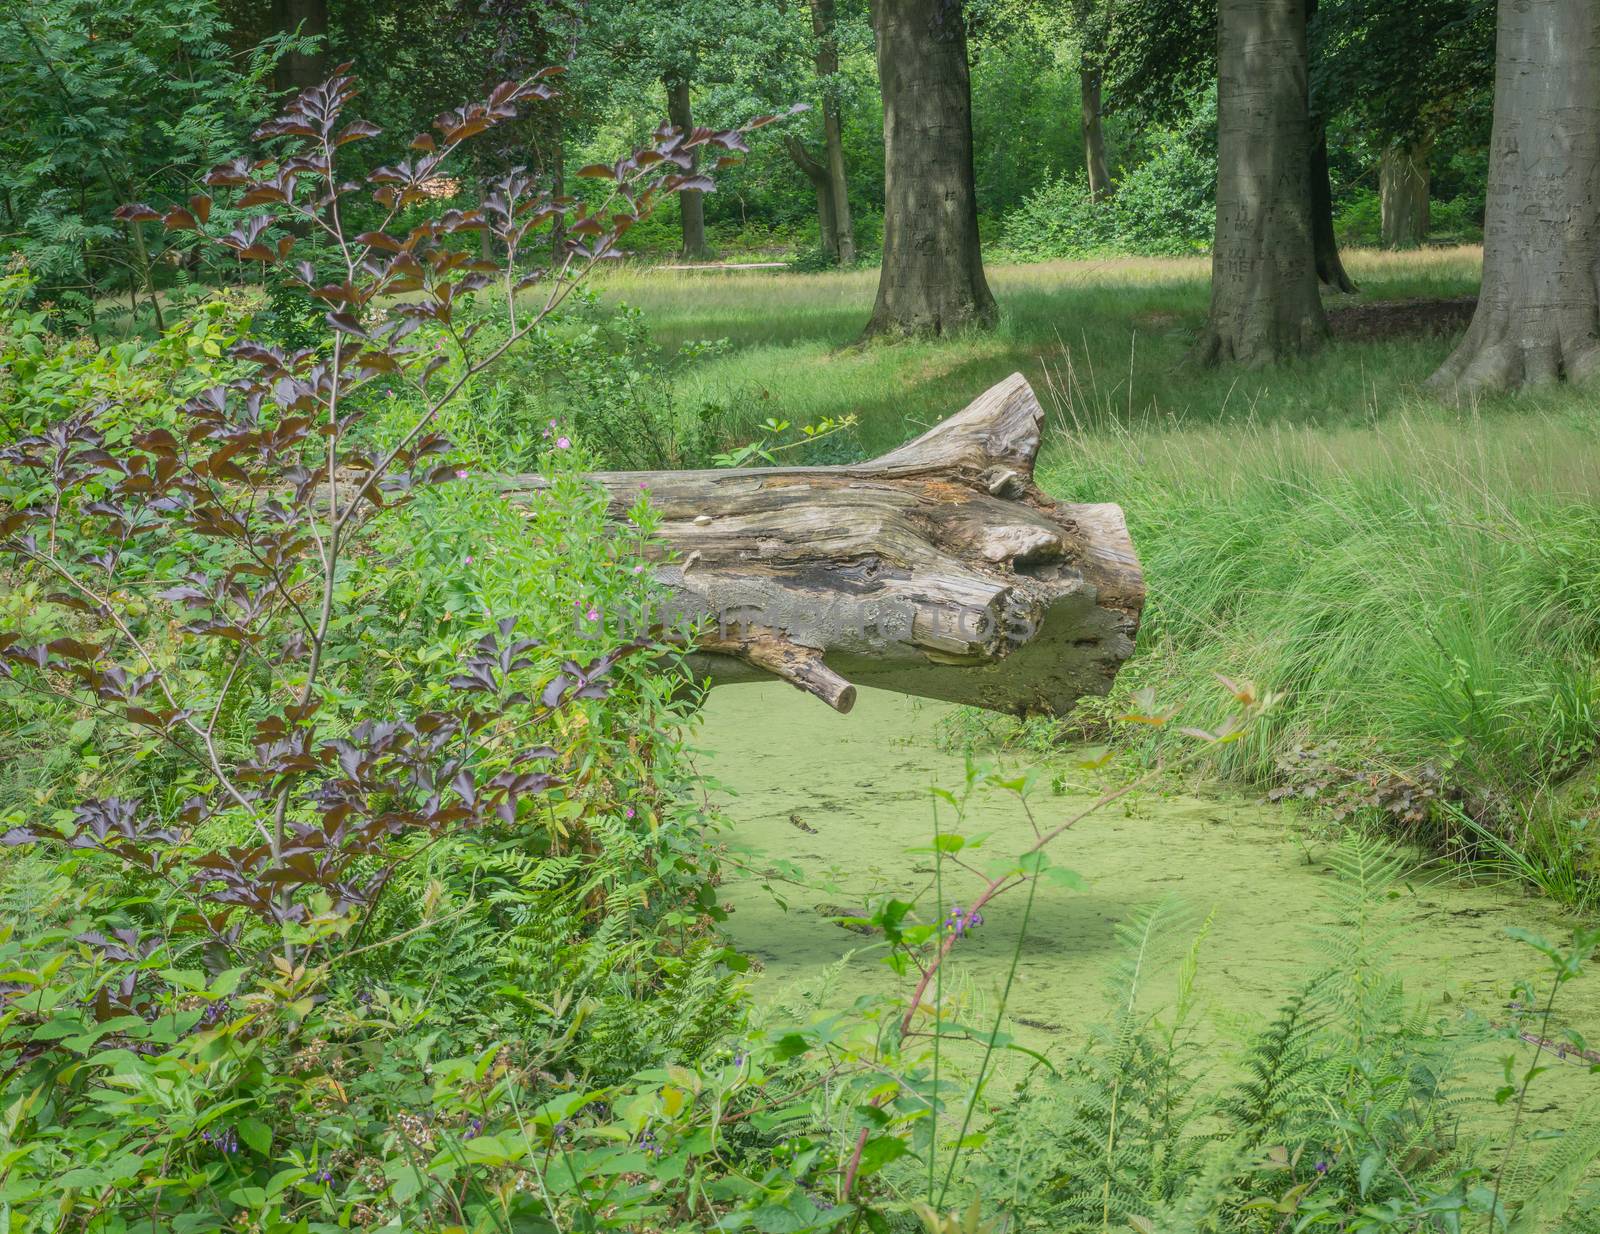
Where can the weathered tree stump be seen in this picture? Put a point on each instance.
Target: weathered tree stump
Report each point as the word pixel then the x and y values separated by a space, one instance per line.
pixel 939 569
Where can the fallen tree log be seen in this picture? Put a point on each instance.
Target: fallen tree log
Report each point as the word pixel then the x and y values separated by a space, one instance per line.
pixel 939 569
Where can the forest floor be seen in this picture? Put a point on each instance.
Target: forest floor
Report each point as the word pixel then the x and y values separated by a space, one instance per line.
pixel 1414 574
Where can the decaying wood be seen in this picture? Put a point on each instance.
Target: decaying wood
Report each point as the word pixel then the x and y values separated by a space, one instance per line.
pixel 939 569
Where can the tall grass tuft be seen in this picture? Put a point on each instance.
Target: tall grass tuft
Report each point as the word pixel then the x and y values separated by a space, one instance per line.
pixel 1423 591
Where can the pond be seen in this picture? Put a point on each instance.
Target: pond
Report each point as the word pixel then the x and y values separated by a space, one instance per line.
pixel 844 798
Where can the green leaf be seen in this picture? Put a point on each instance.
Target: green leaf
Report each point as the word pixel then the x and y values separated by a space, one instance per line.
pixel 879 1152
pixel 889 917
pixel 257 1135
pixel 1368 1170
pixel 790 1045
pixel 1070 879
pixel 773 1219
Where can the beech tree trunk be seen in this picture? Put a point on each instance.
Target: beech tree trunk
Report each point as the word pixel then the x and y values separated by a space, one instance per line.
pixel 691 202
pixel 822 182
pixel 932 278
pixel 296 71
pixel 1403 183
pixel 822 24
pixel 939 569
pixel 1538 319
pixel 1094 135
pixel 1264 301
pixel 1325 245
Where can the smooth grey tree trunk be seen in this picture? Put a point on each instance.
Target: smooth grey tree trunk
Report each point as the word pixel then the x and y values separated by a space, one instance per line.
pixel 691 202
pixel 1094 135
pixel 1403 183
pixel 822 24
pixel 1538 316
pixel 295 71
pixel 822 182
pixel 1264 300
pixel 932 278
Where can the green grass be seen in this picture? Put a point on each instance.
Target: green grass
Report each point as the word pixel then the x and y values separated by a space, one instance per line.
pixel 1417 577
pixel 1119 325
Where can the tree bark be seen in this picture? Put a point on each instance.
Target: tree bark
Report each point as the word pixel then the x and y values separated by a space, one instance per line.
pixel 558 188
pixel 1094 135
pixel 691 202
pixel 932 277
pixel 822 182
pixel 1403 182
pixel 1538 319
pixel 147 273
pixel 822 24
pixel 1264 301
pixel 1325 245
pixel 939 569
pixel 298 71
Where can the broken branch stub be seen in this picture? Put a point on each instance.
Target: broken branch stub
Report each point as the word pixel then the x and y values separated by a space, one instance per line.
pixel 939 569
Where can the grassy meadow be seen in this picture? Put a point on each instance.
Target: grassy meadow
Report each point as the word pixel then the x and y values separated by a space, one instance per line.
pixel 1417 576
pixel 1105 336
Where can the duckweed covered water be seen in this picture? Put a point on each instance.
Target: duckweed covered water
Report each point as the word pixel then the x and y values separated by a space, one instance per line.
pixel 835 803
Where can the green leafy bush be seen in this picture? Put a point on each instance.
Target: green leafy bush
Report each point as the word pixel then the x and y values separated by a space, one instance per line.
pixel 1164 201
pixel 593 373
pixel 1358 223
pixel 385 881
pixel 1163 206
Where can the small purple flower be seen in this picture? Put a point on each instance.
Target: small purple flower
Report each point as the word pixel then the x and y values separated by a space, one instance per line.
pixel 325 1177
pixel 1322 1167
pixel 224 1141
pixel 474 1129
pixel 462 473
pixel 563 443
pixel 960 921
pixel 215 1011
pixel 739 1060
pixel 638 569
pixel 629 811
pixel 563 1130
pixel 467 560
